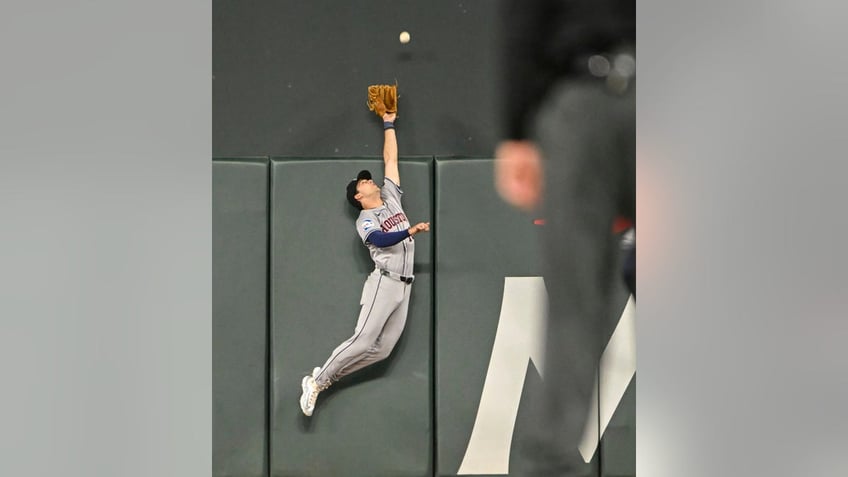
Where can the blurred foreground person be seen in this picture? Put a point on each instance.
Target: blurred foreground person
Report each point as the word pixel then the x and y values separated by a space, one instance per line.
pixel 569 72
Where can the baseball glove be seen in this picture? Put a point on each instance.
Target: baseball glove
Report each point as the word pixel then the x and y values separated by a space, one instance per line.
pixel 382 99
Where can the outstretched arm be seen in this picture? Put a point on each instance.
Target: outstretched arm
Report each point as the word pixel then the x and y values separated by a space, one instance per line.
pixel 390 150
pixel 387 239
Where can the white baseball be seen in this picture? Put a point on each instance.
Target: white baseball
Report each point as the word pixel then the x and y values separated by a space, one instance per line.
pixel 405 37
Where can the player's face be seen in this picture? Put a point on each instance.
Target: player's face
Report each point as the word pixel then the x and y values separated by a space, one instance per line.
pixel 366 187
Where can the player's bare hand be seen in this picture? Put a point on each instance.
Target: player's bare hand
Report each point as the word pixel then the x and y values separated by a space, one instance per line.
pixel 419 227
pixel 390 117
pixel 518 173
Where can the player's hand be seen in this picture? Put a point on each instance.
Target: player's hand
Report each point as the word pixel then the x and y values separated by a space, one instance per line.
pixel 390 117
pixel 419 227
pixel 518 174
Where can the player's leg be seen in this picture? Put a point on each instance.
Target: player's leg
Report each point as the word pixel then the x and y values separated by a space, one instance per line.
pixel 379 299
pixel 374 311
pixel 388 338
pixel 394 327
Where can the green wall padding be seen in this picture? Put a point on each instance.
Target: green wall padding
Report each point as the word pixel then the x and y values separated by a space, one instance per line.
pixel 378 421
pixel 393 418
pixel 239 316
pixel 479 241
pixel 618 450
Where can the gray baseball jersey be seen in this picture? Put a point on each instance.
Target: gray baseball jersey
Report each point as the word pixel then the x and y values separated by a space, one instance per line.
pixel 388 218
pixel 385 299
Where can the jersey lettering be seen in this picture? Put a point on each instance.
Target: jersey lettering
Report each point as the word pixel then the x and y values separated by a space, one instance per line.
pixel 393 221
pixel 398 258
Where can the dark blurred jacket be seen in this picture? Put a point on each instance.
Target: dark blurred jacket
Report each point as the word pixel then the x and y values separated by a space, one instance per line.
pixel 549 40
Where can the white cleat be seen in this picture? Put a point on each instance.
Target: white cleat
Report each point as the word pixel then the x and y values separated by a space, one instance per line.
pixel 310 392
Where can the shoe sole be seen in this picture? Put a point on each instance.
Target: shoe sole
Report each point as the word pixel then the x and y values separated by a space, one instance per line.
pixel 304 385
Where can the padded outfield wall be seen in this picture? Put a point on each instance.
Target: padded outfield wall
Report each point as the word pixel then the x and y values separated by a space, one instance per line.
pixel 288 269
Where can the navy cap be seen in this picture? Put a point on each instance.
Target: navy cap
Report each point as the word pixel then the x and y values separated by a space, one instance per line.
pixel 351 188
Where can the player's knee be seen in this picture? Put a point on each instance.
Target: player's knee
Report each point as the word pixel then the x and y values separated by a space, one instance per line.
pixel 361 347
pixel 384 351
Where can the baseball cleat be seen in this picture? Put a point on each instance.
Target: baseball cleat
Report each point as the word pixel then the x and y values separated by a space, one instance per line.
pixel 310 392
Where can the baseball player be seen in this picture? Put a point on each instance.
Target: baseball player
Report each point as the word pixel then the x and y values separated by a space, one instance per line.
pixel 386 232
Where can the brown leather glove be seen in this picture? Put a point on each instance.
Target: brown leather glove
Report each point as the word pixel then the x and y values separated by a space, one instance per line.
pixel 382 99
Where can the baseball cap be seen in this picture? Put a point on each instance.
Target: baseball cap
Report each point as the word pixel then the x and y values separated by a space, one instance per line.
pixel 351 188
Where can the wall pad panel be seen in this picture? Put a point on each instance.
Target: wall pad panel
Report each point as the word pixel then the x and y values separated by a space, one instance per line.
pixel 378 421
pixel 239 316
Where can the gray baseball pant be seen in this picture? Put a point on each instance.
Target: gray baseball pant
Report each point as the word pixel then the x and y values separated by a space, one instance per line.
pixel 382 317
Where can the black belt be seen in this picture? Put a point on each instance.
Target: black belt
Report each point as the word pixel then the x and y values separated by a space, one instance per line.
pixel 396 276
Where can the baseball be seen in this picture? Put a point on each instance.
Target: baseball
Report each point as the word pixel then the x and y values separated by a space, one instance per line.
pixel 404 37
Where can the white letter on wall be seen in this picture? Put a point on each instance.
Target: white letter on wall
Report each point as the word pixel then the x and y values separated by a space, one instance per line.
pixel 519 337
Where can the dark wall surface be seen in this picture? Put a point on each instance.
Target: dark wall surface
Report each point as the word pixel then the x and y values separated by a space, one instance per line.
pixel 290 77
